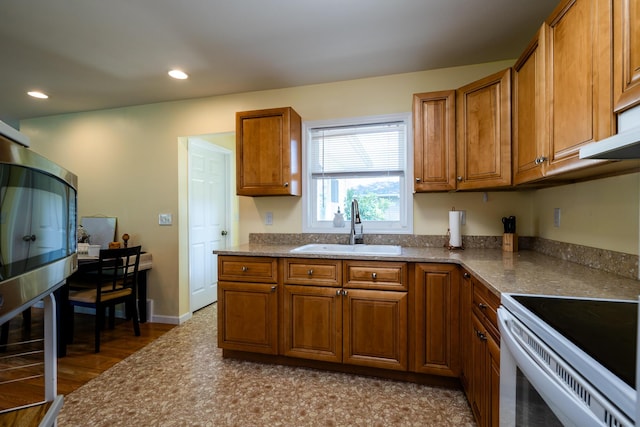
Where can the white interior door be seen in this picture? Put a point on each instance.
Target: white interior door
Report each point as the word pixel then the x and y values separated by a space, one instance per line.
pixel 209 203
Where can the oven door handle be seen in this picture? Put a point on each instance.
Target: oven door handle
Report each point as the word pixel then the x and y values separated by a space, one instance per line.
pixel 567 407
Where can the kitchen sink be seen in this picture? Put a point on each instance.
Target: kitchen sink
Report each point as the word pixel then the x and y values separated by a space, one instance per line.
pixel 359 249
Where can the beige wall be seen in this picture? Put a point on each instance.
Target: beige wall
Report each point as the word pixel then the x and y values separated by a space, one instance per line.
pixel 601 213
pixel 131 164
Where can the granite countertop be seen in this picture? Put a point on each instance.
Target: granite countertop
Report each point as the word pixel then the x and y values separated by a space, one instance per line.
pixel 502 272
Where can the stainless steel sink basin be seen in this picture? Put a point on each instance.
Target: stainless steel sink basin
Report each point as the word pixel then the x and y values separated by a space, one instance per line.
pixel 333 248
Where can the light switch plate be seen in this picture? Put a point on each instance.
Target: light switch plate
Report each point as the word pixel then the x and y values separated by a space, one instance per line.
pixel 268 219
pixel 165 219
pixel 556 217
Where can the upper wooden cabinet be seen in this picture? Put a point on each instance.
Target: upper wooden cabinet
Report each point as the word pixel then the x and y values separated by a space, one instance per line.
pixel 530 140
pixel 484 132
pixel 626 53
pixel 268 153
pixel 579 81
pixel 434 141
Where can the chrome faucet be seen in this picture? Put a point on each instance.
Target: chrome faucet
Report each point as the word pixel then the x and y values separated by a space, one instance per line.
pixel 355 238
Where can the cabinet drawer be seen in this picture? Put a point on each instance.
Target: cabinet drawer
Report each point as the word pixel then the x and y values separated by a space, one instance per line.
pixel 375 275
pixel 248 269
pixel 312 272
pixel 486 303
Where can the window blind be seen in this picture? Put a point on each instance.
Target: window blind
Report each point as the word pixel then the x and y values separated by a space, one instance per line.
pixel 358 150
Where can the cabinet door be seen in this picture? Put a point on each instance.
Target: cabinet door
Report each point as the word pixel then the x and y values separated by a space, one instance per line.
pixel 466 301
pixel 434 141
pixel 312 323
pixel 375 328
pixel 268 152
pixel 437 319
pixel 479 398
pixel 493 382
pixel 248 317
pixel 484 132
pixel 530 131
pixel 626 52
pixel 578 81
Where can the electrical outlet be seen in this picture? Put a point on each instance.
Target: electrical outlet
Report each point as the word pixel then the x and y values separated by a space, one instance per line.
pixel 268 219
pixel 165 219
pixel 556 217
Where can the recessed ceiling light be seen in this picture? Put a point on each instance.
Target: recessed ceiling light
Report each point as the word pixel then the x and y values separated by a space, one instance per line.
pixel 178 74
pixel 38 94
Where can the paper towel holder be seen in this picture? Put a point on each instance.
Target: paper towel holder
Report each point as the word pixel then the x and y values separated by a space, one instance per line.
pixel 448 243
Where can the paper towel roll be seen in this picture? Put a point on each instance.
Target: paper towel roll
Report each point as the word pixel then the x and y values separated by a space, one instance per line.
pixel 455 223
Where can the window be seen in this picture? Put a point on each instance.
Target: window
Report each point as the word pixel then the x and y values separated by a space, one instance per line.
pixel 365 159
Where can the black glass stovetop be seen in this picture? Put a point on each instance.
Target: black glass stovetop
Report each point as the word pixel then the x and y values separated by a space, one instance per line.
pixel 605 330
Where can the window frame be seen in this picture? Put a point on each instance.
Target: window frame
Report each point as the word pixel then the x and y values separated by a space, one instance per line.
pixel 405 224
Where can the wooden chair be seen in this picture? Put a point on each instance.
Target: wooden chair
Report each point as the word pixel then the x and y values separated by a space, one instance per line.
pixel 114 282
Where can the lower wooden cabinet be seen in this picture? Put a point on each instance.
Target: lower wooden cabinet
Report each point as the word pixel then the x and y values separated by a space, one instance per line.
pixel 417 318
pixel 374 326
pixel 485 380
pixel 466 303
pixel 312 322
pixel 248 317
pixel 483 389
pixel 437 331
pixel 364 327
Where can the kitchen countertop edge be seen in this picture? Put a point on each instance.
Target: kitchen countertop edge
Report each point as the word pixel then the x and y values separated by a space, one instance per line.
pixel 523 272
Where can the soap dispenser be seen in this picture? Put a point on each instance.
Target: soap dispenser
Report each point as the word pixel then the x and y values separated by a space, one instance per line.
pixel 338 219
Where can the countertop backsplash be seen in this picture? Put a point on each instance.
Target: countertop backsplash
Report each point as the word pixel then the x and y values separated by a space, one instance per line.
pixel 619 263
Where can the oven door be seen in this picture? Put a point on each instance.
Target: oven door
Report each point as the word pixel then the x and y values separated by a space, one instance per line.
pixel 538 388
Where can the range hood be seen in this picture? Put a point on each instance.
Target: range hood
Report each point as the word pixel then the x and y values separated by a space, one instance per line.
pixel 624 145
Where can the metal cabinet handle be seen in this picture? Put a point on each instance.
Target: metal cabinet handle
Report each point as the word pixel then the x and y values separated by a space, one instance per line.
pixel 482 306
pixel 344 292
pixel 339 292
pixel 459 179
pixel 310 272
pixel 245 268
pixel 374 276
pixel 31 238
pixel 466 276
pixel 480 335
pixel 418 179
pixel 274 288
pixel 286 184
pixel 540 160
pixel 224 232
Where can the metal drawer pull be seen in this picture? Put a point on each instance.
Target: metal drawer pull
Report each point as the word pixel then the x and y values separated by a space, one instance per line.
pixel 338 292
pixel 374 276
pixel 274 288
pixel 466 275
pixel 245 268
pixel 310 272
pixel 480 335
pixel 482 306
pixel 344 292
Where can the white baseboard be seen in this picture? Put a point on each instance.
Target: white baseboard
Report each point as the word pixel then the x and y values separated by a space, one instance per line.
pixel 171 320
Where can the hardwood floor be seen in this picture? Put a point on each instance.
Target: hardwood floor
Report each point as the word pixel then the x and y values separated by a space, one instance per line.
pixel 79 366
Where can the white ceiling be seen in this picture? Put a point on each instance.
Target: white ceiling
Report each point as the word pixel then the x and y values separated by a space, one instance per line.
pixel 95 54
